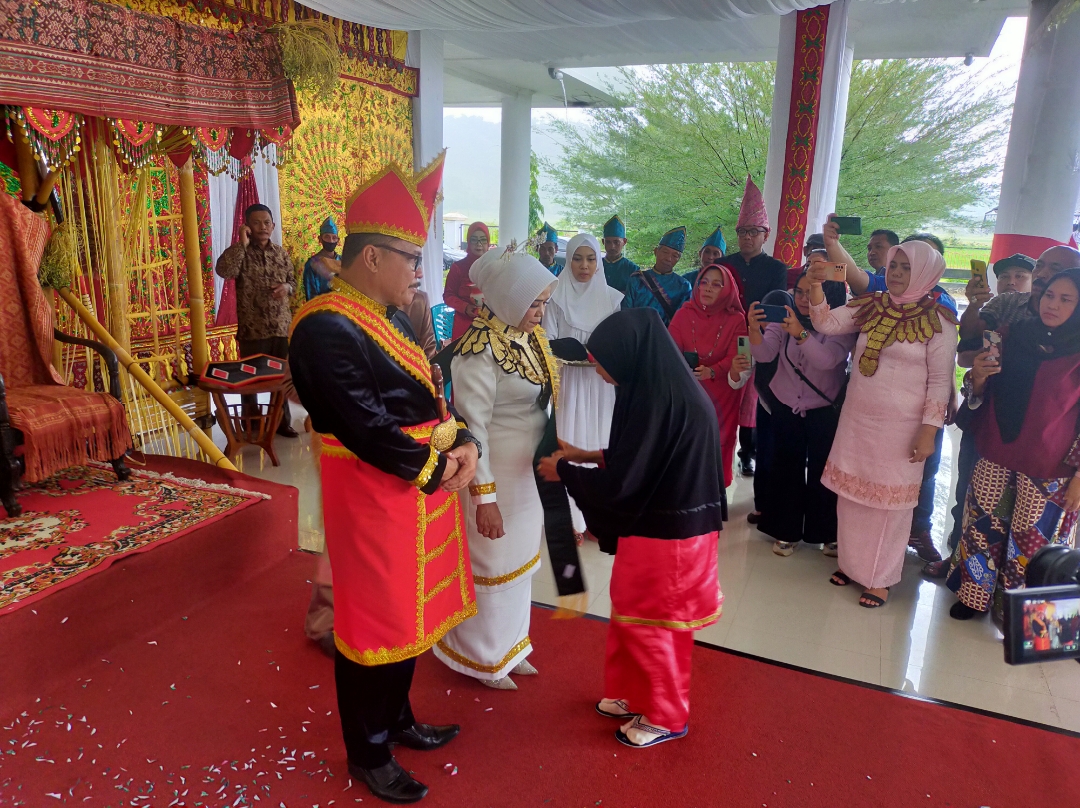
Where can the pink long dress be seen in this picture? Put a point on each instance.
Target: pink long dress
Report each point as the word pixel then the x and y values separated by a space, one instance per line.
pixel 869 466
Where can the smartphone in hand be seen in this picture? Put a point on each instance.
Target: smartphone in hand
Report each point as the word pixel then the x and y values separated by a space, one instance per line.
pixel 744 341
pixel 992 343
pixel 836 272
pixel 692 359
pixel 978 272
pixel 848 225
pixel 773 314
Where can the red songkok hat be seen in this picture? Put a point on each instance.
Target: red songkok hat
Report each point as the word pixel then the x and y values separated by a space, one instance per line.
pixel 752 212
pixel 396 203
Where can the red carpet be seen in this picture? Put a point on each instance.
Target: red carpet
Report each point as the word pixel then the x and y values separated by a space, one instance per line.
pixel 228 702
pixel 80 521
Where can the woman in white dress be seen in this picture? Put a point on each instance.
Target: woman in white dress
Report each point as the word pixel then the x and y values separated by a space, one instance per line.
pixel 502 374
pixel 580 302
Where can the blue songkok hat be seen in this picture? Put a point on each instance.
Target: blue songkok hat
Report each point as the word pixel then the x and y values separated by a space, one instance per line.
pixel 328 227
pixel 614 228
pixel 549 233
pixel 715 240
pixel 674 238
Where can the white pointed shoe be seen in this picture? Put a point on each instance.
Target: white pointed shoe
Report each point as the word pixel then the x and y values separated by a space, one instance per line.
pixel 506 683
pixel 525 668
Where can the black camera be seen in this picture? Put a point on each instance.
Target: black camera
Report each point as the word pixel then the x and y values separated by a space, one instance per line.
pixel 1042 621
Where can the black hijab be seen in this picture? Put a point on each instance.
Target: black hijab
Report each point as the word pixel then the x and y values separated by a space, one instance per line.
pixel 663 471
pixel 835 295
pixel 1028 344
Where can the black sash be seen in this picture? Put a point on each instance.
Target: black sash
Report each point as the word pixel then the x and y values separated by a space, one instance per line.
pixel 661 298
pixel 558 524
pixel 836 403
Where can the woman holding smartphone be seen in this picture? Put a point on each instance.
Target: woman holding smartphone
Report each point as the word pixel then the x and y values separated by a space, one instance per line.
pixel 1025 490
pixel 707 328
pixel 895 405
pixel 807 386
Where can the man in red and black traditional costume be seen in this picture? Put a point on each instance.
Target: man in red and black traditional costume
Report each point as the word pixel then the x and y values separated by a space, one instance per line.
pixel 393 461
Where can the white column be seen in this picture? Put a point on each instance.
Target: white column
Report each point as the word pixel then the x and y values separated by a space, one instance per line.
pixel 1041 179
pixel 774 162
pixel 514 174
pixel 835 83
pixel 425 51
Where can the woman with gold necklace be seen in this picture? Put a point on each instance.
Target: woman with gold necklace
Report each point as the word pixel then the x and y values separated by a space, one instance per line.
pixel 503 374
pixel 896 402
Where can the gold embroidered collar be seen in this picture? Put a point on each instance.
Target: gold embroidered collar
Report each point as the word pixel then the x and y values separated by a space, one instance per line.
pixel 885 322
pixel 342 288
pixel 527 355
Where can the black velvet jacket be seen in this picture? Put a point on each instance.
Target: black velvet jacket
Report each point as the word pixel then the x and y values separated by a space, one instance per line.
pixel 763 274
pixel 355 390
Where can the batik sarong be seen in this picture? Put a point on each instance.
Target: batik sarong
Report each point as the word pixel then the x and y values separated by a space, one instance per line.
pixel 1008 516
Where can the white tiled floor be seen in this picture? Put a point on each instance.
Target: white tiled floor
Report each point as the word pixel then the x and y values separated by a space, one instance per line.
pixel 785 609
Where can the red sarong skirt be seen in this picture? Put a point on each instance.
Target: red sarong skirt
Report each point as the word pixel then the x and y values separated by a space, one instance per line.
pixel 400 560
pixel 662 590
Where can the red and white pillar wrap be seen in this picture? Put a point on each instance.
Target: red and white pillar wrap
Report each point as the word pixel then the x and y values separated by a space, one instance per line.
pixel 813 70
pixel 1041 180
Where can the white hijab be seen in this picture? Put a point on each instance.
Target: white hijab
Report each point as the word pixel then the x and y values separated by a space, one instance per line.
pixel 584 305
pixel 510 282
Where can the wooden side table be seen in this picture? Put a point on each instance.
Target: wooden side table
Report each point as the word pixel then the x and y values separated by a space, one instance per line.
pixel 248 424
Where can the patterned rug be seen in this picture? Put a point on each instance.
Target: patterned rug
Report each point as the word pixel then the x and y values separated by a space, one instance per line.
pixel 80 521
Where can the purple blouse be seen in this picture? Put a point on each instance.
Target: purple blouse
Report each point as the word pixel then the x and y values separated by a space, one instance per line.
pixel 822 359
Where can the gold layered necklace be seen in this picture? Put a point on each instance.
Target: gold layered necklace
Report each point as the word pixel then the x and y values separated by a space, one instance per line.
pixel 885 322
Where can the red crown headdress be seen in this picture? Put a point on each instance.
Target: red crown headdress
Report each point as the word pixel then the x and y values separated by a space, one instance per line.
pixel 752 212
pixel 397 204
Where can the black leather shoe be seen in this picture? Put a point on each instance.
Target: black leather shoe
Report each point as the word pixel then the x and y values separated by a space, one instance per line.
pixel 391 783
pixel 425 737
pixel 746 467
pixel 287 431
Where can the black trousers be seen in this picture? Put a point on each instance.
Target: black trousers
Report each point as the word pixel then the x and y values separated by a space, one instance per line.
pixel 272 346
pixel 804 509
pixel 373 701
pixel 764 447
pixel 965 467
pixel 747 449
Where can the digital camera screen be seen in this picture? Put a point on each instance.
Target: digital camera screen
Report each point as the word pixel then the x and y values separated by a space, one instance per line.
pixel 1046 626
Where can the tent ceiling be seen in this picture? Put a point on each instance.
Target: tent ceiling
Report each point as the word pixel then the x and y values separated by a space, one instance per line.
pixel 495 47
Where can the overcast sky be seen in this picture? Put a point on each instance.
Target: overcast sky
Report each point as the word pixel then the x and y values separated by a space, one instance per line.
pixel 471 179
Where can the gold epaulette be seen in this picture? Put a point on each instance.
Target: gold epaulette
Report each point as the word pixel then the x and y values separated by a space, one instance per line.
pixel 527 355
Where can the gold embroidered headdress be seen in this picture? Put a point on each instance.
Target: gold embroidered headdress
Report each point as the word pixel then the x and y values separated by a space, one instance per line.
pixel 510 281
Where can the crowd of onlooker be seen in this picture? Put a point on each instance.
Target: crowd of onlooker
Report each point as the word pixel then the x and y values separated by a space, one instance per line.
pixel 833 383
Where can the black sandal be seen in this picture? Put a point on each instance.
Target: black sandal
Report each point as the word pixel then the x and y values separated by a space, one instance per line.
pixel 838 578
pixel 875 601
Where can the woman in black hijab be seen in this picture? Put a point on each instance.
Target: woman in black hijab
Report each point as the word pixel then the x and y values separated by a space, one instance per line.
pixel 1025 489
pixel 657 497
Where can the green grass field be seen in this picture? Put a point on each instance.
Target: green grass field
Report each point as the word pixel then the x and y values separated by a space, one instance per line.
pixel 960 257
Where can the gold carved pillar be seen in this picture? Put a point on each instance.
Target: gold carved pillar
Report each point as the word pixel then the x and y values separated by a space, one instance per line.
pixel 112 252
pixel 199 351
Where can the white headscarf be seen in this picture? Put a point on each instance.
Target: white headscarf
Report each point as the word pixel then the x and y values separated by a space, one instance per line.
pixel 584 305
pixel 510 282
